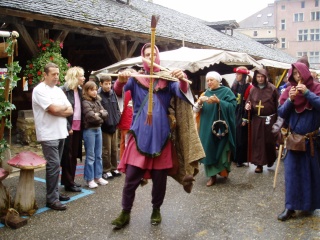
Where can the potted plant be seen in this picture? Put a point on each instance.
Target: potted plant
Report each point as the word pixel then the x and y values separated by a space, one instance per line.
pixel 49 51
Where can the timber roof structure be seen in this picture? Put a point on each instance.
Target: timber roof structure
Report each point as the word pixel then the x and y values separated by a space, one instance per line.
pixel 117 19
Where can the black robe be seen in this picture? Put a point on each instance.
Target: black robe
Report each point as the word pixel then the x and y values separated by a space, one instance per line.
pixel 241 131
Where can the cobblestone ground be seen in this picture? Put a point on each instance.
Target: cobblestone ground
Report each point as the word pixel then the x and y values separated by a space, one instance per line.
pixel 244 206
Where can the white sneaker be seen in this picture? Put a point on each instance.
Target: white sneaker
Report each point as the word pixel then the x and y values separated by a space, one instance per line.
pixel 101 181
pixel 92 184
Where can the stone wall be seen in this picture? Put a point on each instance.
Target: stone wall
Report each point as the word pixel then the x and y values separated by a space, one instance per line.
pixel 26 133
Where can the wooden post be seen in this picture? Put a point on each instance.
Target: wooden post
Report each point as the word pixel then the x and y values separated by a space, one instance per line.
pixel 6 91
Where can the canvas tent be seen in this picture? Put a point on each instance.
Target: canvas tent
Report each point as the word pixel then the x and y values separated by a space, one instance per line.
pixel 195 62
pixel 277 70
pixel 274 64
pixel 191 59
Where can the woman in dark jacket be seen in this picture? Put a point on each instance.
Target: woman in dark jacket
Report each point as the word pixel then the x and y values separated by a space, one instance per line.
pixel 73 144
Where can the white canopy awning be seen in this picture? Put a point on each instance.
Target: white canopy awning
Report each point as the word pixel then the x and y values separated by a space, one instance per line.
pixel 190 59
pixel 275 64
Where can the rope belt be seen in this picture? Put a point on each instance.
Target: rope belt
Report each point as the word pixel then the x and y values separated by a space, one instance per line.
pixel 265 116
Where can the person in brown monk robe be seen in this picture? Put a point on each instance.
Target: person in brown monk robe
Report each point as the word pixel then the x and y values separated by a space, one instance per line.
pixel 263 104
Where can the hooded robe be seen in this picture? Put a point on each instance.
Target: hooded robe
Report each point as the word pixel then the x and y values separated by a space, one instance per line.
pixel 302 171
pixel 263 149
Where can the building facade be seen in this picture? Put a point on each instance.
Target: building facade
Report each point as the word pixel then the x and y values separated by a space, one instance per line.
pixel 298 28
pixel 292 26
pixel 261 26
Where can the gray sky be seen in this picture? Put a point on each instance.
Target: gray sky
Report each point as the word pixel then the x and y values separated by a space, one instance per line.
pixel 216 10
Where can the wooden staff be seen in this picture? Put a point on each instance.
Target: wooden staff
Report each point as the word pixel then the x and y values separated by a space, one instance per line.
pixel 164 69
pixel 277 167
pixel 143 75
pixel 154 21
pixel 249 138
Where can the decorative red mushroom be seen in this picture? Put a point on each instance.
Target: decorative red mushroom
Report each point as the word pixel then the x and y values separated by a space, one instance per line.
pixel 4 194
pixel 25 201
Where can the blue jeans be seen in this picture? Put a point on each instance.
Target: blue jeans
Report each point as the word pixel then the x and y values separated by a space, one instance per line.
pixel 93 145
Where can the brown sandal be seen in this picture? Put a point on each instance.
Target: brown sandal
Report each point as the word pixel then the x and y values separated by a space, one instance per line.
pixel 211 181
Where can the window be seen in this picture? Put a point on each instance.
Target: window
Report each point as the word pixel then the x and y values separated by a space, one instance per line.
pixel 315 16
pixel 283 7
pixel 283 43
pixel 316 3
pixel 269 14
pixel 303 35
pixel 298 17
pixel 283 24
pixel 255 33
pixel 265 23
pixel 314 57
pixel 301 54
pixel 302 4
pixel 314 34
pixel 259 15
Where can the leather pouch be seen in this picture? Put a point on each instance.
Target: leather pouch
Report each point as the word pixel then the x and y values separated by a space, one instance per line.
pixel 296 142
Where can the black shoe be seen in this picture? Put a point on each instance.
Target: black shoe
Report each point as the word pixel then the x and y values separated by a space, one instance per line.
pixel 107 176
pixel 116 173
pixel 286 214
pixel 57 205
pixel 63 197
pixel 240 165
pixel 72 189
pixel 77 184
pixel 270 164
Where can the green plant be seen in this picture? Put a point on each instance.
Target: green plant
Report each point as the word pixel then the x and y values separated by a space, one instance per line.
pixel 6 106
pixel 49 51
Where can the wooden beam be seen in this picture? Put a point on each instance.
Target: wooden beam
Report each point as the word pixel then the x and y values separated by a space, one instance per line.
pixel 61 36
pixel 41 34
pixel 90 52
pixel 113 48
pixel 25 36
pixel 123 49
pixel 133 48
pixel 108 51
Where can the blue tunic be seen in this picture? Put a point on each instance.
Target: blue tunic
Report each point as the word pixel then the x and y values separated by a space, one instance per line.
pixel 302 171
pixel 151 139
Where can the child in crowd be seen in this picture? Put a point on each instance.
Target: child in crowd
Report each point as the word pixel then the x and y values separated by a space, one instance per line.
pixel 109 128
pixel 93 116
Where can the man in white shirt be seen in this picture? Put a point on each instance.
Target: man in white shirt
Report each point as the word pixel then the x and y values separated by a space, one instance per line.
pixel 50 109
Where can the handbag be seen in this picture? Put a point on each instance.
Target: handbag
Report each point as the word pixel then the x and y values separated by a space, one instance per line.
pixel 220 127
pixel 296 142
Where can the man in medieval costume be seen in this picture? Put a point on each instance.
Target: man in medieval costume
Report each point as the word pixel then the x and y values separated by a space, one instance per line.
pixel 149 150
pixel 241 88
pixel 217 128
pixel 300 108
pixel 262 104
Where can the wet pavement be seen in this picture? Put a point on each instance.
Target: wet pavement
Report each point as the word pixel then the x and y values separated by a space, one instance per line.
pixel 244 206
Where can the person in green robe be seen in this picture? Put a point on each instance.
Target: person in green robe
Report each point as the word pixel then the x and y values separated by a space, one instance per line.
pixel 215 114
